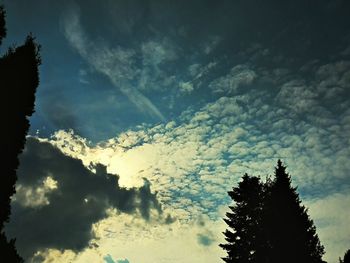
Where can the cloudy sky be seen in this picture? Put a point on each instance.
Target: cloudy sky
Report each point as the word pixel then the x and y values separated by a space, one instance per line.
pixel 148 112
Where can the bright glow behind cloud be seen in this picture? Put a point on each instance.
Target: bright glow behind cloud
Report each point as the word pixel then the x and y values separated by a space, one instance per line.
pixel 192 164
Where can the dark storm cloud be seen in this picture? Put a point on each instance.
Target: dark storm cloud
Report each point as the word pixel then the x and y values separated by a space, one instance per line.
pixel 81 199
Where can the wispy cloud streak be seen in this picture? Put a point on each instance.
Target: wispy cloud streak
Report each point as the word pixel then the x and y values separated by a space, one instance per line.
pixel 115 63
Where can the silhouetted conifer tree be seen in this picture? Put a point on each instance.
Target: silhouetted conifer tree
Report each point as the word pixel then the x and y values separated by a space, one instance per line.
pixel 18 81
pixel 245 240
pixel 268 223
pixel 289 230
pixel 346 258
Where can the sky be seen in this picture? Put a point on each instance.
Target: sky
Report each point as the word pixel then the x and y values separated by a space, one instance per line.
pixel 148 112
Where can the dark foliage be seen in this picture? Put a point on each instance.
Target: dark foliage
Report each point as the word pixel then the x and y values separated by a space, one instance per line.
pixel 18 81
pixel 289 229
pixel 245 243
pixel 346 258
pixel 269 224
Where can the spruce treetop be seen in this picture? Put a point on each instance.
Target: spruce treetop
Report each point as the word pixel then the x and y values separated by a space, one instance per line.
pixel 268 223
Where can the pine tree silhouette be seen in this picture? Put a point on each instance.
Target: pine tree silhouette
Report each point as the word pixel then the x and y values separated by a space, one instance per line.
pixel 289 230
pixel 268 223
pixel 346 258
pixel 245 240
pixel 18 80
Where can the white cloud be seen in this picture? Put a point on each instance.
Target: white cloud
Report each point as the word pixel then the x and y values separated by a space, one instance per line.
pixel 155 53
pixel 331 214
pixel 192 162
pixel 186 87
pixel 116 63
pixel 327 86
pixel 119 234
pixel 35 196
pixel 198 71
pixel 297 96
pixel 238 76
pixel 220 139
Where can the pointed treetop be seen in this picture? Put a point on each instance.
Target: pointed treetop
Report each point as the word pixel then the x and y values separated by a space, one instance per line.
pixel 280 171
pixel 279 163
pixel 280 166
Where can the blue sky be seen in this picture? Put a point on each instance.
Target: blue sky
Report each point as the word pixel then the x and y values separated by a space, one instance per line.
pixel 182 98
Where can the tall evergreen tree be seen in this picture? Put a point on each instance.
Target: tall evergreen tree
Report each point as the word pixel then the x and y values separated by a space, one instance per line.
pixel 245 240
pixel 268 223
pixel 289 230
pixel 19 79
pixel 346 258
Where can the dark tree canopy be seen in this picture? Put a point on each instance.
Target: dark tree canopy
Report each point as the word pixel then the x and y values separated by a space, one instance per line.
pixel 346 258
pixel 19 79
pixel 291 233
pixel 269 224
pixel 245 243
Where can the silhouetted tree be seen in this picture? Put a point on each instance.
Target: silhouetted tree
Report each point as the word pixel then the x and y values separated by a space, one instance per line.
pixel 289 230
pixel 245 240
pixel 346 258
pixel 268 223
pixel 18 81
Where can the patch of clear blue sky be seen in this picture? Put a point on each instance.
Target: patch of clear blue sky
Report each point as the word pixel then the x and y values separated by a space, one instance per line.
pixel 109 259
